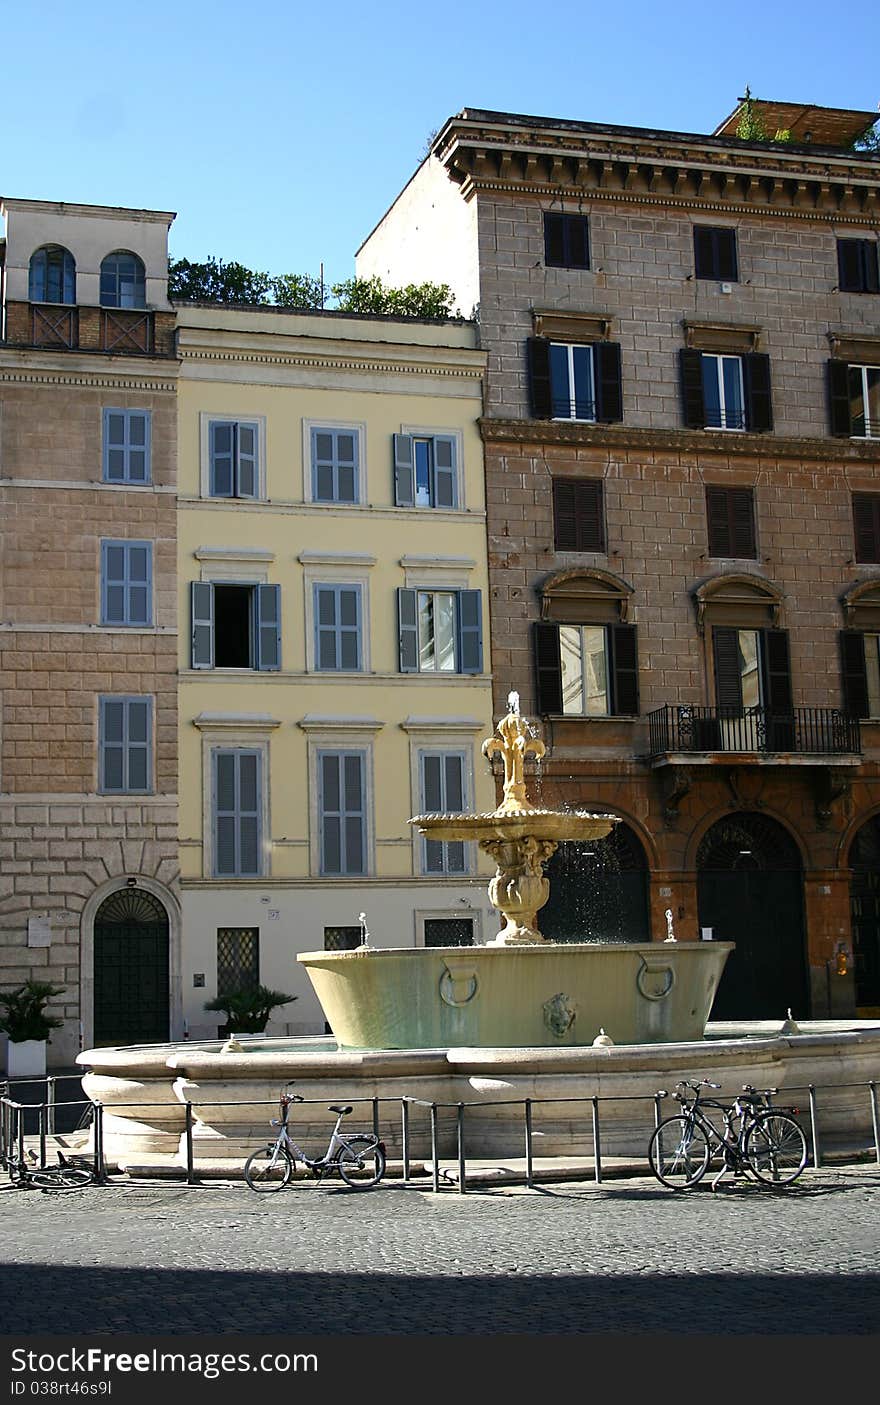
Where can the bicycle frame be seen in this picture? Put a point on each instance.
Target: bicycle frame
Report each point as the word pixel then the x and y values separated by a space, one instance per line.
pixel 747 1108
pixel 318 1163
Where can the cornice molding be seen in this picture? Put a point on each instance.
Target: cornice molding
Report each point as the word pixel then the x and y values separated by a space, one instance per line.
pixel 364 365
pixel 94 380
pixel 691 441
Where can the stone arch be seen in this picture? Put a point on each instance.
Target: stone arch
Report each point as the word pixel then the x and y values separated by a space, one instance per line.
pixel 599 890
pixel 720 812
pixel 171 906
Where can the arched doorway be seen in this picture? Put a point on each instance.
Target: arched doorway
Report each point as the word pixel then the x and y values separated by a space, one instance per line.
pixel 598 891
pixel 131 973
pixel 750 891
pixel 864 902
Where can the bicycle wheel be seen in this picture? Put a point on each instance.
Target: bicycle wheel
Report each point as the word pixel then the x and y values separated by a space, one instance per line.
pixel 270 1168
pixel 60 1178
pixel 361 1162
pixel 775 1148
pixel 679 1152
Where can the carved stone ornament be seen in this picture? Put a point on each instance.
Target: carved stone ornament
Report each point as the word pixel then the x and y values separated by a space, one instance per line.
pixel 559 1014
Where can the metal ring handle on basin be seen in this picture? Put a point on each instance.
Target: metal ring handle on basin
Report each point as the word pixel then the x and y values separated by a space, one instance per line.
pixel 654 970
pixel 448 982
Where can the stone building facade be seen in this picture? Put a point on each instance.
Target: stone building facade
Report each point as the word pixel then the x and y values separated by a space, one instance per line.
pixel 88 620
pixel 682 442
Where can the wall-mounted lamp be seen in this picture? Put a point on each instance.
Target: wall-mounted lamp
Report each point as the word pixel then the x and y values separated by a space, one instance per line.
pixel 131 882
pixel 841 959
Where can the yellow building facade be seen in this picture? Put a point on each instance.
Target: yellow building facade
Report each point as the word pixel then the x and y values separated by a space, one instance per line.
pixel 334 655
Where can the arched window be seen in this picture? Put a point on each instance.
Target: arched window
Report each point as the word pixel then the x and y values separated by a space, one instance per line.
pixel 52 275
pixel 123 281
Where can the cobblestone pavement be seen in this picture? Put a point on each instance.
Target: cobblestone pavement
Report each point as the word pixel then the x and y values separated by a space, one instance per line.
pixel 574 1258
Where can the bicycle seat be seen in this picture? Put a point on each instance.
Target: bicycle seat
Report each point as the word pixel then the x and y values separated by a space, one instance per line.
pixel 334 1107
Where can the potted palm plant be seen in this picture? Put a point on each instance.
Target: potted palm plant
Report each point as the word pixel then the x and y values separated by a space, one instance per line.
pixel 24 1019
pixel 247 1011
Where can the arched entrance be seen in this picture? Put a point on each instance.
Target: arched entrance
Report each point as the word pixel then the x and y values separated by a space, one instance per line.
pixel 598 891
pixel 750 891
pixel 864 903
pixel 131 975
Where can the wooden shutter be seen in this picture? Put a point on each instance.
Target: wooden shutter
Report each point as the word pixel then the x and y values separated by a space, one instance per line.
pixel 609 384
pixel 404 470
pixel 871 267
pixel 866 526
pixel 718 522
pixel 111 744
pixel 624 670
pixel 777 670
pixel 838 399
pixel 854 673
pixel 849 265
pixel 408 629
pixel 246 461
pixel 728 675
pixel 138 745
pixel 221 450
pixel 756 380
pixel 726 266
pixel 577 514
pixel 115 445
pixel 540 391
pixel 731 523
pixel 690 364
pixel 445 476
pixel 578 230
pixel 267 606
pixel 554 240
pixel 202 619
pixel 470 632
pixel 548 668
pixel 704 252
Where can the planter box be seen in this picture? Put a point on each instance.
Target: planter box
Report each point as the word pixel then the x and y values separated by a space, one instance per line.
pixel 26 1059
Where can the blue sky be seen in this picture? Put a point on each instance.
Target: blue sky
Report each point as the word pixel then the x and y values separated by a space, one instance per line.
pixel 280 132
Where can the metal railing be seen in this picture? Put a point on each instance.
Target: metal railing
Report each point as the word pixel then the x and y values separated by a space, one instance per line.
pixel 814 731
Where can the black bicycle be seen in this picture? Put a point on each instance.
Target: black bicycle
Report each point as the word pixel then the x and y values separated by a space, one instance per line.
pixel 67 1175
pixel 755 1138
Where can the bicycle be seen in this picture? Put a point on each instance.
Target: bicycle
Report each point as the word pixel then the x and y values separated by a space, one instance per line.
pixel 768 1142
pixel 360 1159
pixel 67 1175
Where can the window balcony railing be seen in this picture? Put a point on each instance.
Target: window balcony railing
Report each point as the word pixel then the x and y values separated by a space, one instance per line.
pixel 805 731
pixel 53 325
pixel 126 330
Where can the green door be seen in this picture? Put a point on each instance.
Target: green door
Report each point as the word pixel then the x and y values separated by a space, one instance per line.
pixel 131 970
pixel 598 891
pixel 864 897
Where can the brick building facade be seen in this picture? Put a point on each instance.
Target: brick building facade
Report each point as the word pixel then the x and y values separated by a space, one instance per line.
pixel 683 489
pixel 88 624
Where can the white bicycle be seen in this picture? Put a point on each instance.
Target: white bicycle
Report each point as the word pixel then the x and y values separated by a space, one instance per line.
pixel 360 1159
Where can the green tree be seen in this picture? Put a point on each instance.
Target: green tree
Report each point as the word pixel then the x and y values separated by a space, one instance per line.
pixel 750 127
pixel 298 290
pixel 415 300
pixel 215 280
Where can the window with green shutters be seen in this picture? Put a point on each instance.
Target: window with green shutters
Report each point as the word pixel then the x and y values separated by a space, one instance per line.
pixel 342 815
pixel 237 812
pixel 233 459
pixel 126 583
pixel 125 745
pixel 440 631
pixel 126 446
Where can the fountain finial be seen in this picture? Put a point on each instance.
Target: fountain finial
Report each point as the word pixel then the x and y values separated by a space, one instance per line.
pixel 514 743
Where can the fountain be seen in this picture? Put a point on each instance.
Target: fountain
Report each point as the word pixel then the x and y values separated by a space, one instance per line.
pixel 521 1017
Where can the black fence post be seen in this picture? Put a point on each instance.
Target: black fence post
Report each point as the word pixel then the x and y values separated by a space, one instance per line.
pixel 527 1107
pixel 462 1170
pixel 435 1160
pixel 190 1159
pixel 657 1118
pixel 41 1124
pixel 404 1138
pixel 872 1088
pixel 19 1112
pixel 376 1118
pixel 597 1146
pixel 814 1128
pixel 100 1168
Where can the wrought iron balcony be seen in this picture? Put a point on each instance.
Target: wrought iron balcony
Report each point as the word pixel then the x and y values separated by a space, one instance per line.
pixel 805 731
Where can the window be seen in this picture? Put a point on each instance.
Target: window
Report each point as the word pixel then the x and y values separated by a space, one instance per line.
pixel 233 457
pixel 722 391
pixel 337 610
pixel 586 670
pixel 425 470
pixel 123 281
pixel 335 456
pixel 52 275
pixel 442 791
pixel 753 675
pixel 342 812
pixel 730 519
pixel 343 938
pixel 126 457
pixel 570 381
pixel 237 807
pixel 860 656
pixel 125 743
pixel 238 959
pixel 857 268
pixel 235 626
pixel 715 253
pixel 566 241
pixel 449 931
pixel 126 582
pixel 578 521
pixel 441 631
pixel 854 400
pixel 866 526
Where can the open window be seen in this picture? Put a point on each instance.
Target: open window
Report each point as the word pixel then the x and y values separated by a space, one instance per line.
pixel 235 625
pixel 586 652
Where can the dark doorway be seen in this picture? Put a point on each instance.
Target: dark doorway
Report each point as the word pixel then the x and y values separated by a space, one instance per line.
pixel 598 891
pixel 131 970
pixel 864 898
pixel 750 891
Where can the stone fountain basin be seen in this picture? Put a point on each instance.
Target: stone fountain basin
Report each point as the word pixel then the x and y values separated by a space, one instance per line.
pixel 550 994
pixel 558 825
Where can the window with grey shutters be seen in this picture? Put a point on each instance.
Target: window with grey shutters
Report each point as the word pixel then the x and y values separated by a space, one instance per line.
pixel 126 583
pixel 235 626
pixel 426 470
pixel 125 742
pixel 335 466
pixel 233 451
pixel 337 611
pixel 342 812
pixel 237 809
pixel 126 446
pixel 440 631
pixel 586 670
pixel 442 787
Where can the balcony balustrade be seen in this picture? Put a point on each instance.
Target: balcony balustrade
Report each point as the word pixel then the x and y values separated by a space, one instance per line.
pixel 804 731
